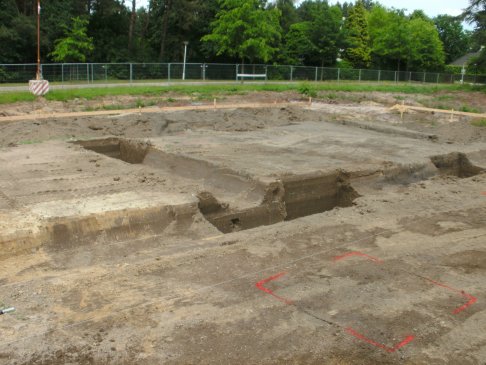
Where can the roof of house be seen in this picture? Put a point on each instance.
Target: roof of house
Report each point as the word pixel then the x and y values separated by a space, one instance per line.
pixel 464 60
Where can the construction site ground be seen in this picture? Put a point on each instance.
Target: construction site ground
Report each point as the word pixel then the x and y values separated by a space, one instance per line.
pixel 327 233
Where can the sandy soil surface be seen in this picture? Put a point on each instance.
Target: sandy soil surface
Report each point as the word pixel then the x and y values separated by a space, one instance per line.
pixel 331 234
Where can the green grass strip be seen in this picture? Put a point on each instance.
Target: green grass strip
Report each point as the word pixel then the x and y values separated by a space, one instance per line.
pixel 214 90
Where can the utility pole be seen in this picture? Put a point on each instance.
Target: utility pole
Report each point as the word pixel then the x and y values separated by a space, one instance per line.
pixel 39 86
pixel 38 75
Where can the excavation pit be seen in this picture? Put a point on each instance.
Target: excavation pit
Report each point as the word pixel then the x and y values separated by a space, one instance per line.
pixel 456 164
pixel 288 199
pixel 121 149
pixel 285 199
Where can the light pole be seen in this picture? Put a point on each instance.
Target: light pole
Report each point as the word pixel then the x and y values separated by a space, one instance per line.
pixel 185 58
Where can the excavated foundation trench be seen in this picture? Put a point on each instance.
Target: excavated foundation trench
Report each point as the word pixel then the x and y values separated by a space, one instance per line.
pixel 284 199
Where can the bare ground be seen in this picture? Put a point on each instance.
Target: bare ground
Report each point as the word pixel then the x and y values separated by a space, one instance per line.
pixel 350 237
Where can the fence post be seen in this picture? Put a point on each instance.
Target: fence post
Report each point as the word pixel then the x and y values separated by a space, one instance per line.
pixel 360 75
pixel 425 73
pixel 62 73
pixel 379 75
pixel 438 76
pixel 266 73
pixel 131 73
pixel 339 75
pixel 87 72
pixel 316 74
pixel 168 73
pixel 92 73
pixel 410 77
pixel 396 79
pixel 237 69
pixel 291 73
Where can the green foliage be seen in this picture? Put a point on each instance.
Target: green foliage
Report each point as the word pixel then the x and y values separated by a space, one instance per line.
pixel 315 39
pixel 307 89
pixel 403 42
pixel 299 44
pixel 358 51
pixel 468 109
pixel 76 44
pixel 479 123
pixel 476 14
pixel 455 39
pixel 244 29
pixel 425 50
pixel 288 14
pixel 309 32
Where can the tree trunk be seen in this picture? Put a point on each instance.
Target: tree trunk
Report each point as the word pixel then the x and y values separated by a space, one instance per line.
pixel 165 24
pixel 131 29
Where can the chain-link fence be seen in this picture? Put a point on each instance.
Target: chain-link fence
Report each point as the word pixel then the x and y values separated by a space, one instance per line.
pixel 76 73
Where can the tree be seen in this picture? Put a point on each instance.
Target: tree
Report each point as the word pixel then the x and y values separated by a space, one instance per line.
pixel 131 29
pixel 76 44
pixel 426 51
pixel 402 42
pixel 455 39
pixel 289 14
pixel 357 38
pixel 476 13
pixel 298 43
pixel 389 38
pixel 17 34
pixel 324 31
pixel 245 29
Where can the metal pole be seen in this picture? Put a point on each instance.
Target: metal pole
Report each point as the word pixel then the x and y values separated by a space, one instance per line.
pixel 360 75
pixel 87 72
pixel 237 68
pixel 62 73
pixel 168 73
pixel 291 73
pixel 339 75
pixel 39 75
pixel 425 73
pixel 131 73
pixel 185 58
pixel 379 75
pixel 316 74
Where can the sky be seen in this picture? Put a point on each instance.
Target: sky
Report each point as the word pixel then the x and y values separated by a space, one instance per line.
pixel 430 7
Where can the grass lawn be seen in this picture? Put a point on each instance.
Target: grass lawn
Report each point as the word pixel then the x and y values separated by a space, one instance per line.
pixel 209 91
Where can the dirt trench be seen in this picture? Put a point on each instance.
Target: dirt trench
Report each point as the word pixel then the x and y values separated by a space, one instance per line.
pixel 286 198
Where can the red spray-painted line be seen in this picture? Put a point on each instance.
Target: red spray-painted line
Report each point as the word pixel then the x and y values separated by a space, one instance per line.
pixel 356 253
pixel 483 193
pixel 261 283
pixel 358 335
pixel 471 301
